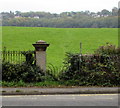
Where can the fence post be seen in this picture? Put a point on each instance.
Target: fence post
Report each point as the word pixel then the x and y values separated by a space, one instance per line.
pixel 40 54
pixel 80 57
pixel 3 53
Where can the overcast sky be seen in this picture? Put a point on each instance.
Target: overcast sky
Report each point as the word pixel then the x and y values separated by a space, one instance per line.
pixel 56 6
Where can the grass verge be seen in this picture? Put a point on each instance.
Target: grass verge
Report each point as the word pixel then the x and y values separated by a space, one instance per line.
pixel 35 84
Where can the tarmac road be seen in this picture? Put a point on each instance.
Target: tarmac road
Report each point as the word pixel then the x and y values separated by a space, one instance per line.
pixel 61 100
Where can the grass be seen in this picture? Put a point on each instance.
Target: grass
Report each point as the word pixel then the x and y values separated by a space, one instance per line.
pixel 33 84
pixel 46 84
pixel 3 91
pixel 18 91
pixel 61 40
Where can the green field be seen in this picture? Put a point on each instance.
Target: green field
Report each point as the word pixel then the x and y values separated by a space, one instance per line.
pixel 61 40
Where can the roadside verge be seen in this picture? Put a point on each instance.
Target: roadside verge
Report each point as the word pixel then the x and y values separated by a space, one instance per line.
pixel 41 91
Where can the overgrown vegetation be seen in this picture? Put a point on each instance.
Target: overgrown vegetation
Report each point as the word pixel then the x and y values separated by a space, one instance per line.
pixel 27 71
pixel 99 69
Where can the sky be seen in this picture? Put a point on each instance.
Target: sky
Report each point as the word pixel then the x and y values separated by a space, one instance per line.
pixel 57 6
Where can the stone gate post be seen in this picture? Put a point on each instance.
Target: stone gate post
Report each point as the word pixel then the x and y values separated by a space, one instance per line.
pixel 40 54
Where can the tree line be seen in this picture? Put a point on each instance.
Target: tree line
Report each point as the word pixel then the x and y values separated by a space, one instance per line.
pixel 82 19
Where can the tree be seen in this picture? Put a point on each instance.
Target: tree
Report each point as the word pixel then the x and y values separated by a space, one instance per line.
pixel 82 19
pixel 115 11
pixel 17 13
pixel 105 12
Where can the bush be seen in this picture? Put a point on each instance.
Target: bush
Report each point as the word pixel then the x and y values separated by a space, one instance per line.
pixel 101 68
pixel 108 49
pixel 27 71
pixel 24 72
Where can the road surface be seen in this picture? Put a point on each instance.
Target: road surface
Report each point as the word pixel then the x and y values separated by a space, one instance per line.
pixel 61 100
